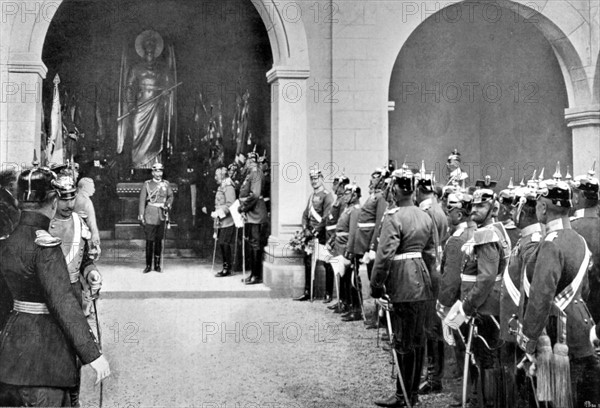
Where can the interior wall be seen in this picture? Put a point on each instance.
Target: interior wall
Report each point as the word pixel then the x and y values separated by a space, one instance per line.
pixel 490 87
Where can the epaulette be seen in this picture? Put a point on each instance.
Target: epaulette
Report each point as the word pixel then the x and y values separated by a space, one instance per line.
pixel 44 239
pixel 82 214
pixel 485 236
pixel 551 236
pixel 391 210
pixel 574 218
pixel 536 236
pixel 458 232
pixel 227 182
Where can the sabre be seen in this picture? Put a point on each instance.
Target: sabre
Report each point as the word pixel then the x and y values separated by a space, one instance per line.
pixel 162 247
pixel 94 298
pixel 244 252
pixel 120 118
pixel 313 267
pixel 214 250
pixel 386 307
pixel 468 357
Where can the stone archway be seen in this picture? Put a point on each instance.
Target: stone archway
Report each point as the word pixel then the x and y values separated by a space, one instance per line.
pixel 23 29
pixel 560 23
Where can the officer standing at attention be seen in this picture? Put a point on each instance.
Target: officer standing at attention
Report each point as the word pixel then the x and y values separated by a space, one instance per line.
pixel 156 199
pixel 405 257
pixel 46 330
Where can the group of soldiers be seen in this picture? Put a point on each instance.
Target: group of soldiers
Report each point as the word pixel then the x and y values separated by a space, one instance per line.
pixel 49 284
pixel 509 279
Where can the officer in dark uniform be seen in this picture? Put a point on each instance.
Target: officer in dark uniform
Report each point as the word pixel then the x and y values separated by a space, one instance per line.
pixel 223 221
pixel 156 200
pixel 339 184
pixel 9 209
pixel 586 222
pixel 349 294
pixel 522 256
pixel 253 209
pixel 427 202
pixel 46 330
pixel 481 278
pixel 405 257
pixel 505 199
pixel 556 304
pixel 313 224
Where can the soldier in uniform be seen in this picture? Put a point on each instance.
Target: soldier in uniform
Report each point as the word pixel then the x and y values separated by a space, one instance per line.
pixel 505 199
pixel 586 222
pixel 223 221
pixel 313 224
pixel 481 276
pixel 556 305
pixel 9 208
pixel 47 330
pixel 427 202
pixel 405 257
pixel 362 244
pixel 156 200
pixel 349 294
pixel 71 228
pixel 522 256
pixel 339 184
pixel 253 209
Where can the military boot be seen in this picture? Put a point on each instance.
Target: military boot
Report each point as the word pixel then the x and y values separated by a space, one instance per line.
pixel 149 250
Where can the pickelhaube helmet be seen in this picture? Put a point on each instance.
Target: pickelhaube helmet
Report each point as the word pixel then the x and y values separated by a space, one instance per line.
pixel 454 156
pixel 506 196
pixel 484 192
pixel 253 155
pixel 588 184
pixel 425 181
pixel 341 180
pixel 352 187
pixel 65 187
pixel 35 185
pixel 383 171
pixel 404 179
pixel 460 200
pixel 158 166
pixel 556 190
pixel 315 173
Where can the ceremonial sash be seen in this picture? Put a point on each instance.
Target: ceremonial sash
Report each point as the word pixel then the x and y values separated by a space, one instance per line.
pixel 512 290
pixel 407 255
pixel 314 212
pixel 564 298
pixel 74 246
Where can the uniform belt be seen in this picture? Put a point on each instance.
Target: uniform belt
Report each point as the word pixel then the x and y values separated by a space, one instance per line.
pixel 330 227
pixel 366 225
pixel 473 278
pixel 160 205
pixel 30 307
pixel 342 233
pixel 74 276
pixel 407 255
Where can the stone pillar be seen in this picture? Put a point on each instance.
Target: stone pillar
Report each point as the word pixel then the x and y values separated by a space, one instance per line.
pixel 283 269
pixel 585 124
pixel 21 109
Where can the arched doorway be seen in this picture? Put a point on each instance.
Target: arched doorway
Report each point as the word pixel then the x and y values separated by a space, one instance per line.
pixel 487 83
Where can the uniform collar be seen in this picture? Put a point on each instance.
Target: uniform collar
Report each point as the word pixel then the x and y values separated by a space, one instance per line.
pixel 530 229
pixel 557 225
pixel 34 219
pixel 463 225
pixel 425 204
pixel 591 212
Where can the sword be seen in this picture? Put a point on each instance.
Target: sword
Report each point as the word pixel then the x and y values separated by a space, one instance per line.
pixel 94 298
pixel 468 356
pixel 212 268
pixel 313 267
pixel 120 118
pixel 162 247
pixel 386 306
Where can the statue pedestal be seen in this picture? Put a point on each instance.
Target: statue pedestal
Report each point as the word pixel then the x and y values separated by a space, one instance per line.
pixel 128 226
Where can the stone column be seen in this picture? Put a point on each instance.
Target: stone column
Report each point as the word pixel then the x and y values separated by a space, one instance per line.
pixel 283 269
pixel 585 124
pixel 21 109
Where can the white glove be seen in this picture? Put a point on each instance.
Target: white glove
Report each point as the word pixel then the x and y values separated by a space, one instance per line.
pixel 220 213
pixel 213 214
pixel 365 259
pixel 372 255
pixel 593 338
pixel 95 280
pixel 101 367
pixel 456 316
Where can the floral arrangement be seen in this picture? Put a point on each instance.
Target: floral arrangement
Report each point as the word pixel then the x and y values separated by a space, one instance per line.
pixel 299 242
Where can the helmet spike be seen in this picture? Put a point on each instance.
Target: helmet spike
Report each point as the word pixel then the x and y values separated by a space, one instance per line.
pixel 510 184
pixel 423 171
pixel 541 177
pixel 557 175
pixel 592 171
pixel 522 183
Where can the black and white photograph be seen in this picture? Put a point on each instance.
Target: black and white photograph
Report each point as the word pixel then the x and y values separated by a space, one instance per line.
pixel 300 203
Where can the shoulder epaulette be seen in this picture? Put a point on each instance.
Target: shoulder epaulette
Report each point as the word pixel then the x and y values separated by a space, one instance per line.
pixel 391 210
pixel 536 237
pixel 82 214
pixel 86 233
pixel 551 236
pixel 485 236
pixel 227 182
pixel 458 232
pixel 574 218
pixel 44 239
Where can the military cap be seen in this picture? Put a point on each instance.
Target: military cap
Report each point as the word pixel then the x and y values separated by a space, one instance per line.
pixel 588 184
pixel 404 179
pixel 35 185
pixel 483 195
pixel 158 166
pixel 65 186
pixel 486 183
pixel 461 201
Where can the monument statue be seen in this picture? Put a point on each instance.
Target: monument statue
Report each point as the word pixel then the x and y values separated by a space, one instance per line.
pixel 147 116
